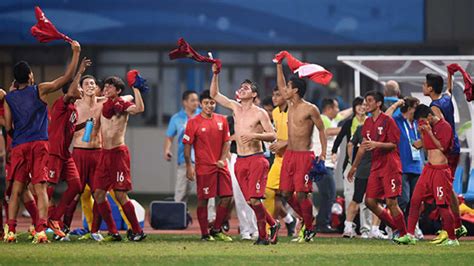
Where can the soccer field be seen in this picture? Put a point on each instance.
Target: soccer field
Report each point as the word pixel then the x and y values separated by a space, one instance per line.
pixel 188 249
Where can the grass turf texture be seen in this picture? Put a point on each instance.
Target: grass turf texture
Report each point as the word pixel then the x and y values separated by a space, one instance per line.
pixel 189 250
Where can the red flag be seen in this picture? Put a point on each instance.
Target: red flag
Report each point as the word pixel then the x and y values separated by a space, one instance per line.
pixel 185 50
pixel 44 31
pixel 468 89
pixel 314 72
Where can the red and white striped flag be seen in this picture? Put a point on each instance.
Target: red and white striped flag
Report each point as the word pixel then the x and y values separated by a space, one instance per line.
pixel 314 72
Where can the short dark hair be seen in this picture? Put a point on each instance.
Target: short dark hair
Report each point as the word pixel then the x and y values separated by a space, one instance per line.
pixel 435 81
pixel 117 82
pixel 422 111
pixel 276 89
pixel 253 86
pixel 267 101
pixel 87 77
pixel 205 94
pixel 327 102
pixel 357 101
pixel 299 84
pixel 186 94
pixel 21 72
pixel 378 96
pixel 409 102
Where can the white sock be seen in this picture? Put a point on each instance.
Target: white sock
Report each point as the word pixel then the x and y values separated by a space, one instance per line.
pixel 375 228
pixel 288 219
pixel 348 224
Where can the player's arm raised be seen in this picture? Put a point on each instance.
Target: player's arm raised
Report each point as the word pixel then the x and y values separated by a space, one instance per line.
pixel 73 91
pixel 281 82
pixel 216 95
pixel 139 106
pixel 46 88
pixel 318 122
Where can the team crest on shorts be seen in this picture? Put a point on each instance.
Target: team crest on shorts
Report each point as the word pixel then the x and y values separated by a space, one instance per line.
pixel 257 187
pixel 51 173
pixel 206 190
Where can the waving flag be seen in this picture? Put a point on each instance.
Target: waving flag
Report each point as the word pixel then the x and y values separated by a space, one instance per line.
pixel 468 90
pixel 314 72
pixel 44 31
pixel 185 50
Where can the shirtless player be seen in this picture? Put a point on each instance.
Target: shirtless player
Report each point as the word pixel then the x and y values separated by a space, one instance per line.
pixel 252 126
pixel 298 158
pixel 114 167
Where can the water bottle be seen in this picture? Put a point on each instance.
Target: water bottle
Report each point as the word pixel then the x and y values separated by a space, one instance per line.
pixel 87 133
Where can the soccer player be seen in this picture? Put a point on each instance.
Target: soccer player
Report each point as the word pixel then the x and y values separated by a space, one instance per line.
pixel 273 199
pixel 209 134
pixel 298 158
pixel 442 106
pixel 252 126
pixel 380 137
pixel 26 118
pixel 434 182
pixel 114 163
pixel 60 164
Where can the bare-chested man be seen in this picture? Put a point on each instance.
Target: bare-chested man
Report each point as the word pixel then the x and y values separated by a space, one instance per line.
pixel 252 126
pixel 298 158
pixel 114 163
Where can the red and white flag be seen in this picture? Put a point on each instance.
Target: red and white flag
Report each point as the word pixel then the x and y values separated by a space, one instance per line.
pixel 314 72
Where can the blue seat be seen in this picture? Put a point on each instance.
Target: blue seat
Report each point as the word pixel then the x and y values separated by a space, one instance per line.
pixel 457 184
pixel 469 196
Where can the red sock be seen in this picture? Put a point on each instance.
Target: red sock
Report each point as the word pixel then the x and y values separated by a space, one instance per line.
pixel 307 210
pixel 73 188
pixel 106 213
pixel 129 211
pixel 400 223
pixel 295 205
pixel 69 214
pixel 96 219
pixel 269 218
pixel 221 215
pixel 448 221
pixel 202 218
pixel 41 225
pixel 11 225
pixel 413 215
pixel 261 221
pixel 30 206
pixel 387 218
pixel 456 220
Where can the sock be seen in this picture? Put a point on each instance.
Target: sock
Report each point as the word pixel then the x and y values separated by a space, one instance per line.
pixel 106 213
pixel 11 225
pixel 30 206
pixel 96 219
pixel 348 224
pixel 288 219
pixel 69 214
pixel 269 218
pixel 375 228
pixel 307 209
pixel 73 188
pixel 41 225
pixel 221 215
pixel 295 205
pixel 448 221
pixel 413 215
pixel 261 221
pixel 387 218
pixel 129 211
pixel 457 220
pixel 400 223
pixel 202 218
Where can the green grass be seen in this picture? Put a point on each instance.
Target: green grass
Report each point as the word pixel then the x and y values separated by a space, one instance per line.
pixel 189 250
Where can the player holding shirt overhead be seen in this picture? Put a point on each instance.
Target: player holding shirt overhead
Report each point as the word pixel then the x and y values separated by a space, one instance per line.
pixel 442 106
pixel 114 167
pixel 298 157
pixel 26 116
pixel 380 136
pixel 252 126
pixel 209 134
pixel 434 182
pixel 61 165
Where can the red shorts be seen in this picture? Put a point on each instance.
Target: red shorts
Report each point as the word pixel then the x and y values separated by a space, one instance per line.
pixel 294 171
pixel 251 173
pixel 384 185
pixel 113 171
pixel 86 162
pixel 453 161
pixel 214 184
pixel 434 184
pixel 8 175
pixel 60 169
pixel 28 162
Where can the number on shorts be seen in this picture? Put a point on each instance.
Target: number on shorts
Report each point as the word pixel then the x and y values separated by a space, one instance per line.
pixel 257 186
pixel 393 184
pixel 439 192
pixel 306 180
pixel 120 177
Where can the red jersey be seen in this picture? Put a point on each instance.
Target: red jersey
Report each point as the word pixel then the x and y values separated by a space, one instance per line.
pixel 62 128
pixel 207 136
pixel 383 129
pixel 443 132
